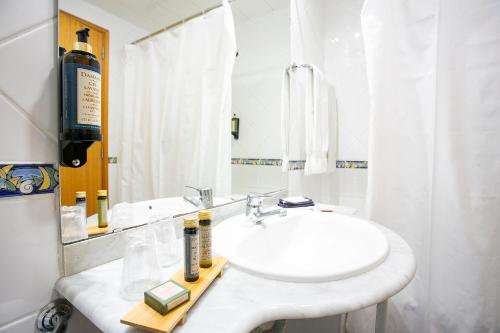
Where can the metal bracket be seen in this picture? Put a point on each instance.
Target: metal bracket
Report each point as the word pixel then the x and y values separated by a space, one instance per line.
pixel 54 316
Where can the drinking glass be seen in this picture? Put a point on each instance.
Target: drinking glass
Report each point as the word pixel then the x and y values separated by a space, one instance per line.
pixel 141 269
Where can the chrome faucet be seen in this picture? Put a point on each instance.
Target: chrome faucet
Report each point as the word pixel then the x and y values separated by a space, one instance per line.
pixel 204 198
pixel 254 211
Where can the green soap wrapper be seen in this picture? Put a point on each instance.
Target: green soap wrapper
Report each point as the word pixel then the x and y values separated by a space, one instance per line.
pixel 166 296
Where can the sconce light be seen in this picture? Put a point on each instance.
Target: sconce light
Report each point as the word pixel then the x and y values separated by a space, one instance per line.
pixel 235 127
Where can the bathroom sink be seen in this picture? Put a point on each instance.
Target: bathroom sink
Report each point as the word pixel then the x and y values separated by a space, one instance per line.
pixel 304 246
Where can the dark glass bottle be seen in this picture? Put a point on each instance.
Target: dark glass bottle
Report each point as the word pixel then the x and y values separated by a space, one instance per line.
pixel 191 251
pixel 81 92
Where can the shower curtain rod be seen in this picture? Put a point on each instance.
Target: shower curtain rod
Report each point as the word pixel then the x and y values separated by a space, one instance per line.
pixel 184 20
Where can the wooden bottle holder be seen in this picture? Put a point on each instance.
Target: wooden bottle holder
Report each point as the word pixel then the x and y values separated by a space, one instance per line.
pixel 144 317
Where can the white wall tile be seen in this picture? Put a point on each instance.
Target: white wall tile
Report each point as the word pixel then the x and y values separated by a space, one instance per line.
pixel 29 246
pixel 29 240
pixel 27 14
pixel 263 43
pixel 29 74
pixel 31 144
pixel 25 324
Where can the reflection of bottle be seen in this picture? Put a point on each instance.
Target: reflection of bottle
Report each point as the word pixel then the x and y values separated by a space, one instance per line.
pixel 191 252
pixel 102 208
pixel 235 127
pixel 81 92
pixel 205 238
pixel 81 201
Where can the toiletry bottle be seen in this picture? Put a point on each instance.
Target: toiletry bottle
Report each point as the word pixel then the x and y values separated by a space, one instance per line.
pixel 205 217
pixel 81 92
pixel 102 208
pixel 81 201
pixel 191 252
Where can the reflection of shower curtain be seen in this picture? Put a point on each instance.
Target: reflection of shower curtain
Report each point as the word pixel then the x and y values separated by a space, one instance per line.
pixel 176 127
pixel 434 176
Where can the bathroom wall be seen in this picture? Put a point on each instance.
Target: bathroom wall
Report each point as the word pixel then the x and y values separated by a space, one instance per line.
pixel 29 240
pixel 328 34
pixel 345 67
pixel 121 32
pixel 263 40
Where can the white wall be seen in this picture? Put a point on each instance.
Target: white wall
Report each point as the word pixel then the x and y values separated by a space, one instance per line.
pixel 345 66
pixel 121 32
pixel 264 51
pixel 29 239
pixel 328 34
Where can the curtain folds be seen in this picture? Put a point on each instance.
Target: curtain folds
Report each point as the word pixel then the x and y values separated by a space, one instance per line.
pixel 177 110
pixel 434 174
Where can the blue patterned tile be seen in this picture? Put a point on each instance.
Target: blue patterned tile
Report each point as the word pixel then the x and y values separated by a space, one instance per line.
pixel 26 179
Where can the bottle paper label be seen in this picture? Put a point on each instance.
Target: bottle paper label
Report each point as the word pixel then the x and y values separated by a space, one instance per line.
pixel 205 243
pixel 195 263
pixel 102 212
pixel 89 97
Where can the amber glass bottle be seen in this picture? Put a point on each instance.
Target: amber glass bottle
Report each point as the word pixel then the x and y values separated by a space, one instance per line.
pixel 205 217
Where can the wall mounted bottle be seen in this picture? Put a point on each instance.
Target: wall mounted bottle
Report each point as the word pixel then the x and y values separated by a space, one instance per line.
pixel 81 101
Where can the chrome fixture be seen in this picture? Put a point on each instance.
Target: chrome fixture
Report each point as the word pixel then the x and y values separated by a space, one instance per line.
pixel 254 211
pixel 54 316
pixel 184 20
pixel 294 66
pixel 204 198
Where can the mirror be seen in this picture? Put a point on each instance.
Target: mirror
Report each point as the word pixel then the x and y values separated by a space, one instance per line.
pixel 175 98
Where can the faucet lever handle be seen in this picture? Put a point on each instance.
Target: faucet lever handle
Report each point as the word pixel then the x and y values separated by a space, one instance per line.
pixel 205 196
pixel 256 199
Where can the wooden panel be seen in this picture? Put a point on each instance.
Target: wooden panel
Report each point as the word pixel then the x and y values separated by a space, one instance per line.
pixel 93 175
pixel 144 317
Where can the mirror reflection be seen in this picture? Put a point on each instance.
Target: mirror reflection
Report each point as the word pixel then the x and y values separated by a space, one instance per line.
pixel 167 107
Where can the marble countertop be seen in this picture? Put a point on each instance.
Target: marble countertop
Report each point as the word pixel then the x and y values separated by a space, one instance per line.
pixel 239 302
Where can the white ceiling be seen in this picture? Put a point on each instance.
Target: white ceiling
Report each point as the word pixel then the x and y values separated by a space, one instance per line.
pixel 153 15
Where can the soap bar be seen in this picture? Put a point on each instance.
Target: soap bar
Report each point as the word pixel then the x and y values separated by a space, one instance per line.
pixel 166 296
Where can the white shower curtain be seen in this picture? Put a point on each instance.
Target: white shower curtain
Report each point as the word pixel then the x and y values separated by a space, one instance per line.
pixel 434 172
pixel 177 110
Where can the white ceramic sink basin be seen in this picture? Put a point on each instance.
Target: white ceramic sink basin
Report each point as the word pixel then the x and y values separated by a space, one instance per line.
pixel 304 246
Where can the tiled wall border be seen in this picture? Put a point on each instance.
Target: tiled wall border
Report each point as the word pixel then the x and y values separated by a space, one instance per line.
pixel 296 165
pixel 19 179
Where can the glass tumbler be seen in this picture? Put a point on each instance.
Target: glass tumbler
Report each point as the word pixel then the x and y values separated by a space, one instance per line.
pixel 168 253
pixel 73 226
pixel 141 270
pixel 122 216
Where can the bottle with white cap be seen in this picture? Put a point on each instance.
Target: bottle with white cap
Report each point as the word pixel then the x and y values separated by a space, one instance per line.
pixel 81 201
pixel 102 208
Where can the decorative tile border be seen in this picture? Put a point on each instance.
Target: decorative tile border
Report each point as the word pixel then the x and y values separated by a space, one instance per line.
pixel 256 161
pixel 352 164
pixel 296 165
pixel 26 179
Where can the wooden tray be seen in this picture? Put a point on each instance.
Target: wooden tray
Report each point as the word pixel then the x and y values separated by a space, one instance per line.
pixel 95 230
pixel 144 317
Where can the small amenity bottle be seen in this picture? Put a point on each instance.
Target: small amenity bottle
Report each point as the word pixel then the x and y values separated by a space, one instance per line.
pixel 191 252
pixel 102 208
pixel 81 201
pixel 205 217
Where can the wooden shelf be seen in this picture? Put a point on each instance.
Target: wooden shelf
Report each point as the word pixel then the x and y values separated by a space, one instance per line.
pixel 144 317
